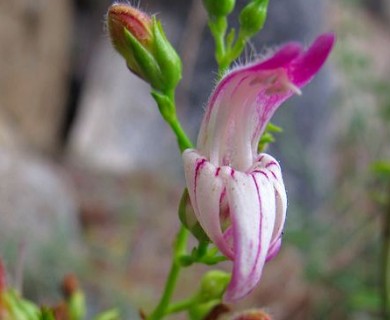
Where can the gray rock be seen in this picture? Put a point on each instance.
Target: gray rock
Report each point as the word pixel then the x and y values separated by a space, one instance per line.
pixel 34 56
pixel 119 127
pixel 38 213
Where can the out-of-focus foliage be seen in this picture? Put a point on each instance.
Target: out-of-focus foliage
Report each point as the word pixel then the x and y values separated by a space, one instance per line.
pixel 343 241
pixel 14 307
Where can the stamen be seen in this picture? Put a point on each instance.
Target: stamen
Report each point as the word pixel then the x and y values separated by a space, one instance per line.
pixel 282 84
pixel 289 85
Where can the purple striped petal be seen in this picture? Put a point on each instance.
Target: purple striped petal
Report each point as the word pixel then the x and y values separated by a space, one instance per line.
pixel 252 210
pixel 268 166
pixel 205 187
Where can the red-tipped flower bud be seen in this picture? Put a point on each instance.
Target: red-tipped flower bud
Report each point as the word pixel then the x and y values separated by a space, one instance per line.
pixel 140 39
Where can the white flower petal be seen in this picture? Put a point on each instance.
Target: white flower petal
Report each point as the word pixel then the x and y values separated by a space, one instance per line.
pixel 252 209
pixel 205 187
pixel 268 166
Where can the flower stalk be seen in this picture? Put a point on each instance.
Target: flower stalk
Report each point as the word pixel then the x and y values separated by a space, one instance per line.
pixel 163 306
pixel 228 45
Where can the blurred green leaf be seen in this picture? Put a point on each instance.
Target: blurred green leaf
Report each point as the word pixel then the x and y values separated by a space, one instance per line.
pixel 365 299
pixel 382 168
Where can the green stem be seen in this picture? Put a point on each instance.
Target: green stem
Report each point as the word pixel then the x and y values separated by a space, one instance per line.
pixel 182 139
pixel 231 54
pixel 386 266
pixel 167 107
pixel 179 249
pixel 238 47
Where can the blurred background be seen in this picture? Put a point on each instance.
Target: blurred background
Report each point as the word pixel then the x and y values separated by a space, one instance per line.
pixel 91 177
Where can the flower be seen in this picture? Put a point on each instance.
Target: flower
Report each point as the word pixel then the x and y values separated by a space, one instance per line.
pixel 238 195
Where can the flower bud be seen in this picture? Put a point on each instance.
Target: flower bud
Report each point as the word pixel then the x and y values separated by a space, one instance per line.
pixel 74 297
pixel 213 285
pixel 122 18
pixel 219 8
pixel 141 41
pixel 252 17
pixel 69 286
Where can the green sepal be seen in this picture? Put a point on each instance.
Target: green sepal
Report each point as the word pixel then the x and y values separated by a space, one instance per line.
pixel 252 17
pixel 188 218
pixel 145 65
pixel 165 104
pixel 167 59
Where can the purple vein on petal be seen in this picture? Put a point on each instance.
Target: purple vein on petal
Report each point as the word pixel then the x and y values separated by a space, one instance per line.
pixel 199 164
pixel 260 225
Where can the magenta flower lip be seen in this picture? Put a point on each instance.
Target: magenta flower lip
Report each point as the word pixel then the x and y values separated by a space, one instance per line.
pixel 238 195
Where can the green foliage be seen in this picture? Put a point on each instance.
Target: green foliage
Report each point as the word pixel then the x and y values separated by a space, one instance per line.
pixel 15 307
pixel 382 169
